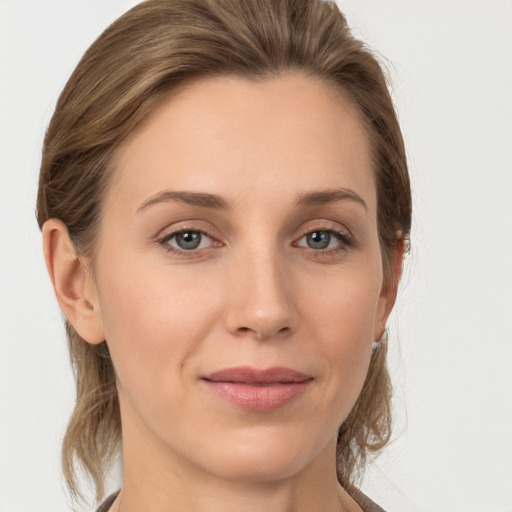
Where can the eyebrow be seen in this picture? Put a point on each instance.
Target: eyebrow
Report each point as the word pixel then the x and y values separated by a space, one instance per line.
pixel 193 198
pixel 328 196
pixel 216 202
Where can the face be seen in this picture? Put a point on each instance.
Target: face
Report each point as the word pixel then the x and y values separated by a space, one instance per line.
pixel 238 277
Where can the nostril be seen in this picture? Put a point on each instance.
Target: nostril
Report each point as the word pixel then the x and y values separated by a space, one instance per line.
pixel 263 334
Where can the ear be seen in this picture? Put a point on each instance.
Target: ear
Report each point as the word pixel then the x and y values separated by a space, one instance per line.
pixel 389 289
pixel 72 282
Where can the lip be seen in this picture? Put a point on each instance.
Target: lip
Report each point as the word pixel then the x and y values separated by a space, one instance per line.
pixel 255 389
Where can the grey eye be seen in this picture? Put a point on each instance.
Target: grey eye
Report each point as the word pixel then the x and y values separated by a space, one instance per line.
pixel 189 240
pixel 322 239
pixel 318 239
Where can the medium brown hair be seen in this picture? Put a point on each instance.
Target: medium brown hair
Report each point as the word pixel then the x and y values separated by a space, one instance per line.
pixel 151 50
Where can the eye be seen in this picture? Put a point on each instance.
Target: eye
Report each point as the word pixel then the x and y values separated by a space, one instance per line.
pixel 324 239
pixel 186 240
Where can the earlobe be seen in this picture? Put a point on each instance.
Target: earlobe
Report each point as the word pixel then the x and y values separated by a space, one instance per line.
pixel 389 289
pixel 71 282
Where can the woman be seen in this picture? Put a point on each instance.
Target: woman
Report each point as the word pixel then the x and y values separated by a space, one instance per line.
pixel 225 203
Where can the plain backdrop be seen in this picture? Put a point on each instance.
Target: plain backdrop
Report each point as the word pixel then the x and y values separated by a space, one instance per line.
pixel 450 63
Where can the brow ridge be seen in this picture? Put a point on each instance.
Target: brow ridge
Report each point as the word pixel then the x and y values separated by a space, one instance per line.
pixel 322 197
pixel 201 199
pixel 214 201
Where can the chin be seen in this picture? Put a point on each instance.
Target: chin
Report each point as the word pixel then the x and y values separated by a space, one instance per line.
pixel 262 456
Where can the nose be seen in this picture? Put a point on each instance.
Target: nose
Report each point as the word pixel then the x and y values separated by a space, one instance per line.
pixel 260 303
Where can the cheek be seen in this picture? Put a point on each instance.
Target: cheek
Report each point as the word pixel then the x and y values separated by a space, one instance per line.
pixel 346 304
pixel 153 321
pixel 342 320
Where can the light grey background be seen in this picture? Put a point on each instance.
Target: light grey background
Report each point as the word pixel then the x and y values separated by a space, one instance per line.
pixel 451 67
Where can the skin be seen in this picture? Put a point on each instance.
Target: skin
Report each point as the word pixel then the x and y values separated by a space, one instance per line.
pixel 254 293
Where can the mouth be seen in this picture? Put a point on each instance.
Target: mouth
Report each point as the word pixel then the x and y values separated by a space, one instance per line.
pixel 256 389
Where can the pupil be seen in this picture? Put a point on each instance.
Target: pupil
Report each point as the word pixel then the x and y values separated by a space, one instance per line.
pixel 319 239
pixel 188 240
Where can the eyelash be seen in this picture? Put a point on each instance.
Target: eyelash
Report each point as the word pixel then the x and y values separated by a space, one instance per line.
pixel 345 241
pixel 181 252
pixel 344 238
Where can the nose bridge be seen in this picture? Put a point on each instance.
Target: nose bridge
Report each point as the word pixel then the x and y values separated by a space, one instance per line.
pixel 260 304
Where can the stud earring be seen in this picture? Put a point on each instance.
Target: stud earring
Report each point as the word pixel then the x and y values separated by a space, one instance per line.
pixel 382 337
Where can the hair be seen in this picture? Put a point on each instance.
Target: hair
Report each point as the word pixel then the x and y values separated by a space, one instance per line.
pixel 153 49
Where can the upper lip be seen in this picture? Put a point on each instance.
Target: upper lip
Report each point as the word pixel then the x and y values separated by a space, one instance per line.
pixel 249 375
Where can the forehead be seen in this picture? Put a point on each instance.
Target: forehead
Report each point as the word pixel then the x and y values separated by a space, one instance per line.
pixel 231 135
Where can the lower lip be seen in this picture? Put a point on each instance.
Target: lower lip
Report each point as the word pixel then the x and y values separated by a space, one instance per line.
pixel 261 398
